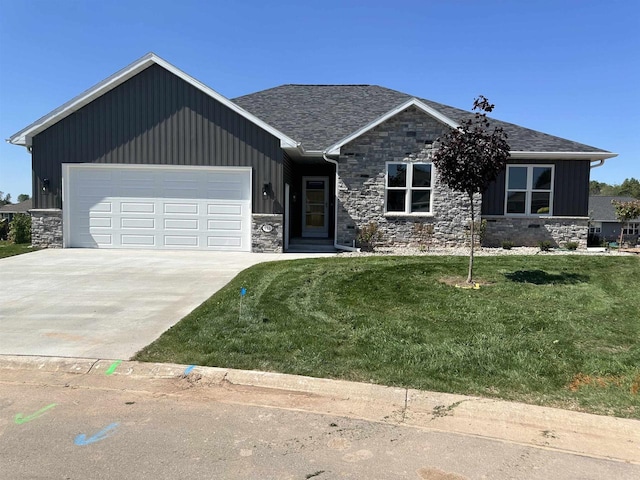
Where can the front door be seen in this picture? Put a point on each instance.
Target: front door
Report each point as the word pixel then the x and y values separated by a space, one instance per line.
pixel 315 207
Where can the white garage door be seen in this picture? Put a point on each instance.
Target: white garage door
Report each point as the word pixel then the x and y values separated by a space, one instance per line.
pixel 107 206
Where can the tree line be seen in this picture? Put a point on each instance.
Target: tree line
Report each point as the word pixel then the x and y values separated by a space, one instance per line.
pixel 629 188
pixel 6 199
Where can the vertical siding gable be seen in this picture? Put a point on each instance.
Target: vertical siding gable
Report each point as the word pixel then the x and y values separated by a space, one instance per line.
pixel 157 118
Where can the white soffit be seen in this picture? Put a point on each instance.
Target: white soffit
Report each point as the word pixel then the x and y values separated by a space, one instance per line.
pixel 523 155
pixel 23 137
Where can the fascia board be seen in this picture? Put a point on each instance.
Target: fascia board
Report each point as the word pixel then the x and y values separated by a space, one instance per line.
pixel 523 155
pixel 335 148
pixel 23 137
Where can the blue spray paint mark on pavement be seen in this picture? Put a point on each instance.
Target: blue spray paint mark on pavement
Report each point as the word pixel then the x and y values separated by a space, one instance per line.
pixel 187 370
pixel 82 439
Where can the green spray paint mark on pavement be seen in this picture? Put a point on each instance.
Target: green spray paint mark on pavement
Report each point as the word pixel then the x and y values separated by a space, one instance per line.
pixel 20 419
pixel 113 367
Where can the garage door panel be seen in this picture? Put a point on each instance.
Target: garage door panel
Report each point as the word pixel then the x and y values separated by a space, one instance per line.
pixel 97 239
pixel 181 241
pixel 181 224
pixel 225 225
pixel 216 209
pixel 100 222
pixel 137 240
pixel 231 242
pixel 159 208
pixel 181 208
pixel 137 207
pixel 134 223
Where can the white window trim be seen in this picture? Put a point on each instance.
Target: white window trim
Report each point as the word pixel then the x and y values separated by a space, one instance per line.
pixel 631 228
pixel 595 227
pixel 529 190
pixel 408 189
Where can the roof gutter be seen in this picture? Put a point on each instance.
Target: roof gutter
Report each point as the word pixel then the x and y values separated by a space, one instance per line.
pixel 335 215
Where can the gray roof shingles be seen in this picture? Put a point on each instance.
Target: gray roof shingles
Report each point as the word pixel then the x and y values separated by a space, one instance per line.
pixel 319 116
pixel 22 207
pixel 601 208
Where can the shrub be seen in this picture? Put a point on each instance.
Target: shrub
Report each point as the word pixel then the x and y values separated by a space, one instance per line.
pixel 545 245
pixel 4 228
pixel 507 244
pixel 20 228
pixel 423 232
pixel 571 245
pixel 369 236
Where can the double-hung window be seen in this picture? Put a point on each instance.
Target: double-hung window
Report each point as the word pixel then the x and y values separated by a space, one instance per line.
pixel 595 227
pixel 631 228
pixel 409 188
pixel 529 190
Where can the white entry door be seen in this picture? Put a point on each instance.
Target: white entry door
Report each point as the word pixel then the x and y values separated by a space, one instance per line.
pixel 315 207
pixel 151 206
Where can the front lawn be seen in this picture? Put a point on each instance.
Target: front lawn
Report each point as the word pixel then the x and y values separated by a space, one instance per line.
pixel 552 330
pixel 10 249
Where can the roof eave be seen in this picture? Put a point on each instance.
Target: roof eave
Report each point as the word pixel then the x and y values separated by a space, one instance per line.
pixel 24 136
pixel 335 148
pixel 524 155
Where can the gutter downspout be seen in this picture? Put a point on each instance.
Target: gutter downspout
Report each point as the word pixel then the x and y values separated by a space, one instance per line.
pixel 335 215
pixel 596 165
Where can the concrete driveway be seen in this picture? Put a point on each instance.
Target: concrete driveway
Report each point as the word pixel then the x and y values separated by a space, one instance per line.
pixel 107 303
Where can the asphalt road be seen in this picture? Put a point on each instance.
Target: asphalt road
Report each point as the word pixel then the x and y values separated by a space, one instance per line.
pixel 60 425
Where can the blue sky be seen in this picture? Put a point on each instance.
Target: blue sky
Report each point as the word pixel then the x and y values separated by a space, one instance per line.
pixel 564 67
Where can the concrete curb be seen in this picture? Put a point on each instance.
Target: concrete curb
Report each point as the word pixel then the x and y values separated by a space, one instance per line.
pixel 550 428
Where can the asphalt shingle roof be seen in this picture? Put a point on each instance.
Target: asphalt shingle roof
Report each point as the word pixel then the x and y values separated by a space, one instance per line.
pixel 320 115
pixel 601 209
pixel 22 207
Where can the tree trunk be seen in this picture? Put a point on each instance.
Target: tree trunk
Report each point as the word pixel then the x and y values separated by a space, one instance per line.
pixel 473 241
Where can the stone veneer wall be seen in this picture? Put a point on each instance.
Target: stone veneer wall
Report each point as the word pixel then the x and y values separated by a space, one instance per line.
pixel 407 137
pixel 46 228
pixel 262 241
pixel 527 232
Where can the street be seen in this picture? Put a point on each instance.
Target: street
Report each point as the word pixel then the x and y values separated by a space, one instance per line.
pixel 61 425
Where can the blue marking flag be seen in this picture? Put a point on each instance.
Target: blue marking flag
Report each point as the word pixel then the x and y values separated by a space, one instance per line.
pixel 243 291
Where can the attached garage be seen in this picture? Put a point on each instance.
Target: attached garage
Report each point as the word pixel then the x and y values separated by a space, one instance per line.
pixel 157 206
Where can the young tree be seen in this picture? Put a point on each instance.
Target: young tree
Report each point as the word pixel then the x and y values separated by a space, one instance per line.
pixel 626 211
pixel 470 157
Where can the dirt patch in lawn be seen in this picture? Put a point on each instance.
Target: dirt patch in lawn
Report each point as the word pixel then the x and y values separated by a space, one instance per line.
pixel 461 282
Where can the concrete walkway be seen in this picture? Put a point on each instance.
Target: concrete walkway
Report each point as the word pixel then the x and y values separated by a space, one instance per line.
pixel 613 439
pixel 107 303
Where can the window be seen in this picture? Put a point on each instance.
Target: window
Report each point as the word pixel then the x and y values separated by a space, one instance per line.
pixel 595 227
pixel 529 190
pixel 408 188
pixel 631 228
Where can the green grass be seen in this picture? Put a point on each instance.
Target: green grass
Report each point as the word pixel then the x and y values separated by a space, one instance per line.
pixel 559 330
pixel 10 249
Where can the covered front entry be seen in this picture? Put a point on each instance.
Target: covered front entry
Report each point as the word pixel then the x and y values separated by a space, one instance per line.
pixel 310 213
pixel 153 206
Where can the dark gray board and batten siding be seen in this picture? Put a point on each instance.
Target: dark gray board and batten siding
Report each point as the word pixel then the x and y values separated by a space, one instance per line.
pixel 570 191
pixel 157 118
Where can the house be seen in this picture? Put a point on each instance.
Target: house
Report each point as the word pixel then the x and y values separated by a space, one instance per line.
pixel 153 158
pixel 8 211
pixel 604 225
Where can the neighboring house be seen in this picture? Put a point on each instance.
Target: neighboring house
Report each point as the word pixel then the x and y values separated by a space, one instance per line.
pixel 152 158
pixel 604 224
pixel 8 211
